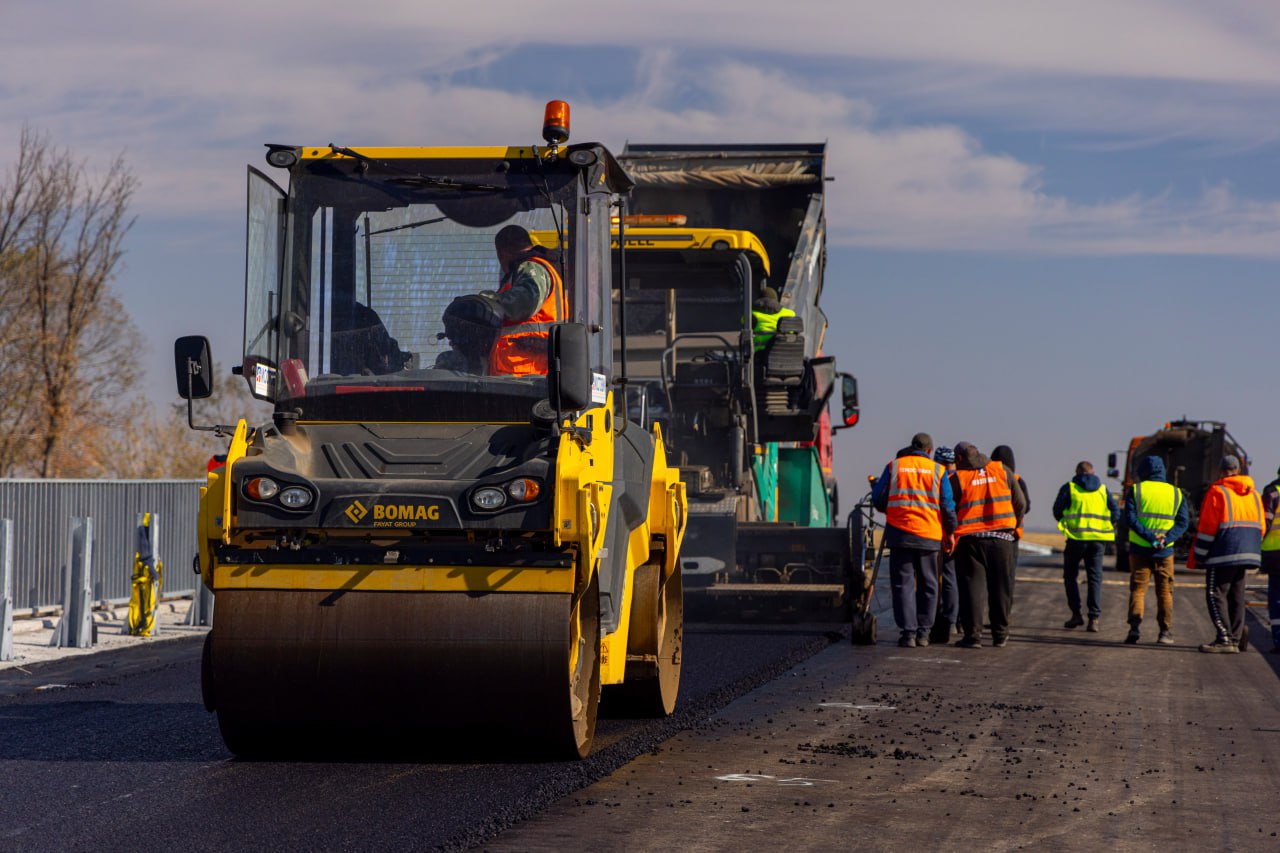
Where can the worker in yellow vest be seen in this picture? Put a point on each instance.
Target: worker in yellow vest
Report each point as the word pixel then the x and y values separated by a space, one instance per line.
pixel 1156 514
pixel 1086 514
pixel 1271 557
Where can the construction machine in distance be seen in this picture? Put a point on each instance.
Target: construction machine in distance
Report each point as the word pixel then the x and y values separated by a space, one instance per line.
pixel 707 227
pixel 419 553
pixel 1192 453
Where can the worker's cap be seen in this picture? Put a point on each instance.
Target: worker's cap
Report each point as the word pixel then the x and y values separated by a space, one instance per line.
pixel 945 455
pixel 1230 463
pixel 922 441
pixel 768 293
pixel 512 238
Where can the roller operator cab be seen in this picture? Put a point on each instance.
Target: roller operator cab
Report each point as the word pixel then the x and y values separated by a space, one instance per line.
pixel 428 548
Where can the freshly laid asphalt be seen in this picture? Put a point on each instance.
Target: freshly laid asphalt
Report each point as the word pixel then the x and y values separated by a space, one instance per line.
pixel 1063 740
pixel 115 751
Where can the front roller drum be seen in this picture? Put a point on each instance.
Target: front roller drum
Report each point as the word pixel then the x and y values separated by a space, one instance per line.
pixel 322 673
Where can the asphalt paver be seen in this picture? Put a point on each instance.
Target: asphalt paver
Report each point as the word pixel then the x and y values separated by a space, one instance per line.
pixel 1062 740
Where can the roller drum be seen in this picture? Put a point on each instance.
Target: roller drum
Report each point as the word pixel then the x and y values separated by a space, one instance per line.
pixel 318 670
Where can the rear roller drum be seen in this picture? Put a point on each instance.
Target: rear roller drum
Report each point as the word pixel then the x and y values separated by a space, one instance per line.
pixel 655 646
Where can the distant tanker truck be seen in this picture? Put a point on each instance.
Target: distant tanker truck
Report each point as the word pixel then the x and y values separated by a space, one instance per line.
pixel 1192 452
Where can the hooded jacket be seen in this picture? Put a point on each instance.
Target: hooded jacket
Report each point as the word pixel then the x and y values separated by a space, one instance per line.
pixel 1003 454
pixel 1151 468
pixel 969 458
pixel 1230 529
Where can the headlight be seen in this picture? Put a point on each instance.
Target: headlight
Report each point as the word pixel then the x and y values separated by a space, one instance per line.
pixel 524 489
pixel 295 497
pixel 488 498
pixel 262 488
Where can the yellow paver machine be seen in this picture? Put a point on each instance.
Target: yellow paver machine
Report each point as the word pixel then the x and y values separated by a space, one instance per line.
pixel 420 550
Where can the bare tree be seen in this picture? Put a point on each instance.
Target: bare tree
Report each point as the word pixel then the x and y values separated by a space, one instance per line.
pixel 67 345
pixel 160 445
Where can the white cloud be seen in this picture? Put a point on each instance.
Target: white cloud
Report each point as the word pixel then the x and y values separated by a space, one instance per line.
pixel 189 111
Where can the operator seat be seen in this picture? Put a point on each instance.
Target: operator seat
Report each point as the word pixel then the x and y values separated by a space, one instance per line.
pixel 782 367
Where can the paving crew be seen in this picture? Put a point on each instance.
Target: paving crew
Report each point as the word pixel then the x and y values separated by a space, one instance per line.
pixel 1228 544
pixel 1271 557
pixel 1087 514
pixel 948 617
pixel 915 496
pixel 766 311
pixel 1156 516
pixel 989 508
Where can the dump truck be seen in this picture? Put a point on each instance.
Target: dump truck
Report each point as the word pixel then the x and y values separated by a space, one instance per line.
pixel 1192 452
pixel 418 551
pixel 707 227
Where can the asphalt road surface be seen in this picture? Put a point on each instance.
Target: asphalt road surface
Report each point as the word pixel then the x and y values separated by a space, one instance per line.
pixel 1064 740
pixel 122 755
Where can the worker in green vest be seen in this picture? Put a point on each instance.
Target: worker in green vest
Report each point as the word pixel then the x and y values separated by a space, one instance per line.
pixel 1156 513
pixel 1271 557
pixel 766 311
pixel 1086 514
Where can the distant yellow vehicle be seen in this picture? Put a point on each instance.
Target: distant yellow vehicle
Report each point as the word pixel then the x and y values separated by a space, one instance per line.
pixel 414 552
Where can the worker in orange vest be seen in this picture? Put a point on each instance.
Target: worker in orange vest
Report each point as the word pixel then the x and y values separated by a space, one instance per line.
pixel 989 508
pixel 532 298
pixel 1228 544
pixel 915 496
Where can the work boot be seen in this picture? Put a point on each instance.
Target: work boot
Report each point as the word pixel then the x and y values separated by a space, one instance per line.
pixel 1134 634
pixel 1165 638
pixel 1220 646
pixel 1075 621
pixel 907 641
pixel 1000 643
pixel 969 641
pixel 922 640
pixel 1093 625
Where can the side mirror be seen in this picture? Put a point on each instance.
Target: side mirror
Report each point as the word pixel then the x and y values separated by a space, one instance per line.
pixel 1111 460
pixel 849 411
pixel 192 362
pixel 569 367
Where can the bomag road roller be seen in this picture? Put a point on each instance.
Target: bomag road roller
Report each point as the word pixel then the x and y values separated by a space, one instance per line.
pixel 425 549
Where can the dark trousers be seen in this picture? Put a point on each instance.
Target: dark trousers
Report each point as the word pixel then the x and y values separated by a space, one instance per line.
pixel 1089 553
pixel 1273 606
pixel 913 578
pixel 1271 566
pixel 1224 593
pixel 949 593
pixel 985 568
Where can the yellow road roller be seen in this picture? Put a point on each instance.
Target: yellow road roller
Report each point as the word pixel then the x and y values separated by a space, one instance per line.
pixel 448 537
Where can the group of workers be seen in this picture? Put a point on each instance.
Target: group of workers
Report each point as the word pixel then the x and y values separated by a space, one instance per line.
pixel 953 519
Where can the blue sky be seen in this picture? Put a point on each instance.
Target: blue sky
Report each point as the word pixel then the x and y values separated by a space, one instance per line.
pixel 1053 225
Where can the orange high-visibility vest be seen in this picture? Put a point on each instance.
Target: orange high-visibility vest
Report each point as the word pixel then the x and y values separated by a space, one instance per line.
pixel 521 348
pixel 915 496
pixel 985 501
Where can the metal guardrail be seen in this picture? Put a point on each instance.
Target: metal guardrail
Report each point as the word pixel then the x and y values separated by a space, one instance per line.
pixel 42 510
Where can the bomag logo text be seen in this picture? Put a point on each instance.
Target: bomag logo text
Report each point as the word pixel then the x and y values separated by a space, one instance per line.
pixel 404 515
